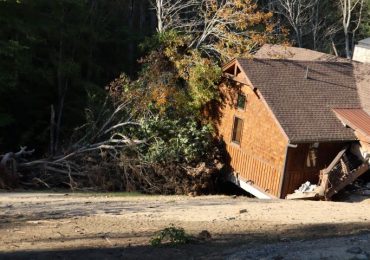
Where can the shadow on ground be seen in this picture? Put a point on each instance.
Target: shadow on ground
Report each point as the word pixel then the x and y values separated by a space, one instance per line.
pixel 221 246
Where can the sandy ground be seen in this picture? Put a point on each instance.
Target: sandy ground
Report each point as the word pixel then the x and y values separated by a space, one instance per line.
pixel 67 226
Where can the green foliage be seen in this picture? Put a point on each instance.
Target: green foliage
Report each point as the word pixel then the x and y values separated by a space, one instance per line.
pixel 175 76
pixel 175 140
pixel 159 40
pixel 171 235
pixel 203 78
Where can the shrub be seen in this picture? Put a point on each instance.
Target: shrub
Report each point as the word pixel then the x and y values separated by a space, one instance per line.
pixel 171 235
pixel 175 140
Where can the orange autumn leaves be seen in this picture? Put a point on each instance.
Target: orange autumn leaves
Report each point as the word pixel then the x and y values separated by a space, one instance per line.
pixel 241 28
pixel 182 71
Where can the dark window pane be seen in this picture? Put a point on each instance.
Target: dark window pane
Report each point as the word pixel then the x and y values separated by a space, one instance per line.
pixel 237 130
pixel 241 101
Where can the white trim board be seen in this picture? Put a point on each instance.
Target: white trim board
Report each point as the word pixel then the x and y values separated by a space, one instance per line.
pixel 249 187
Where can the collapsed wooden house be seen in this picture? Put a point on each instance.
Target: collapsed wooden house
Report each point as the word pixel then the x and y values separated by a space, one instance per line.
pixel 293 115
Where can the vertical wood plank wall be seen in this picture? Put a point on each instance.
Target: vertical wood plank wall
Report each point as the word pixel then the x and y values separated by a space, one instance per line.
pixel 260 157
pixel 262 173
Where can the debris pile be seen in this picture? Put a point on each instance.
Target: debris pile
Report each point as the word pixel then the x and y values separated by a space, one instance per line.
pixel 360 187
pixel 306 187
pixel 344 170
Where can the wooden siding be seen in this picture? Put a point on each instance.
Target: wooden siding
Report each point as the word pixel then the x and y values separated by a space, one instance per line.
pixel 249 167
pixel 261 154
pixel 298 173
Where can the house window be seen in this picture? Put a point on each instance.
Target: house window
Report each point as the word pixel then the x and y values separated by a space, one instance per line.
pixel 237 130
pixel 241 101
pixel 312 157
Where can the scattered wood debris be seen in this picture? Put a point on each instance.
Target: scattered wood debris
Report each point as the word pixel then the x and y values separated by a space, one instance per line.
pixel 343 170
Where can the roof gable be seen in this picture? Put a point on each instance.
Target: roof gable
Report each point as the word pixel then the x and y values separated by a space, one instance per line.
pixel 233 70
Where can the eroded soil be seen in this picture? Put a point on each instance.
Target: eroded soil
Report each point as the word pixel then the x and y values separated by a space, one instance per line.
pixel 67 226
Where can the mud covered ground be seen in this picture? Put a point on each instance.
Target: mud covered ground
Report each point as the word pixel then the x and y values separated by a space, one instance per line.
pixel 77 226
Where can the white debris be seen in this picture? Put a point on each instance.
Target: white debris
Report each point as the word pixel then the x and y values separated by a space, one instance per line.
pixel 306 187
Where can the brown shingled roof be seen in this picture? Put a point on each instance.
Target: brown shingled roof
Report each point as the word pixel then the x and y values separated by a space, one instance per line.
pixel 303 106
pixel 361 70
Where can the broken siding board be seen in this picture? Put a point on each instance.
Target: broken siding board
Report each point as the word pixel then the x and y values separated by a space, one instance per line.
pixel 303 196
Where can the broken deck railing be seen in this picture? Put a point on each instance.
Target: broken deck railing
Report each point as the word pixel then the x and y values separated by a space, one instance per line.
pixel 342 171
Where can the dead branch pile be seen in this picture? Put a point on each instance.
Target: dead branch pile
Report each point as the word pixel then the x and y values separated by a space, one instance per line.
pixel 96 171
pixel 107 157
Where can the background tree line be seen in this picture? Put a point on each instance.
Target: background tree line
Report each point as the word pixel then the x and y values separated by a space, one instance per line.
pixel 62 53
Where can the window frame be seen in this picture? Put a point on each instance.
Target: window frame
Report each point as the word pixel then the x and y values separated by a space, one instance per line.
pixel 245 101
pixel 241 130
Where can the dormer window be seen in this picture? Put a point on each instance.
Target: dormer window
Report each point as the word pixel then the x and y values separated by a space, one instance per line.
pixel 241 101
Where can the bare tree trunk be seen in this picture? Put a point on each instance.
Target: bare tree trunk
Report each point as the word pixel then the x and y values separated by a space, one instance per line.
pixel 315 20
pixel 298 13
pixel 347 46
pixel 346 14
pixel 298 36
pixel 348 8
pixel 131 47
pixel 62 87
pixel 60 96
pixel 357 25
pixel 52 131
pixel 172 14
pixel 58 125
pixel 159 14
pixel 92 43
pixel 334 47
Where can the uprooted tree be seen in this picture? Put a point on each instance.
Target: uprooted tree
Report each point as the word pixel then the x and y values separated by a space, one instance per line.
pixel 125 149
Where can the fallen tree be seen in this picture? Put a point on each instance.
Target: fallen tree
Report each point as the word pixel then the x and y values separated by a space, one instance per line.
pixel 121 148
pixel 150 134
